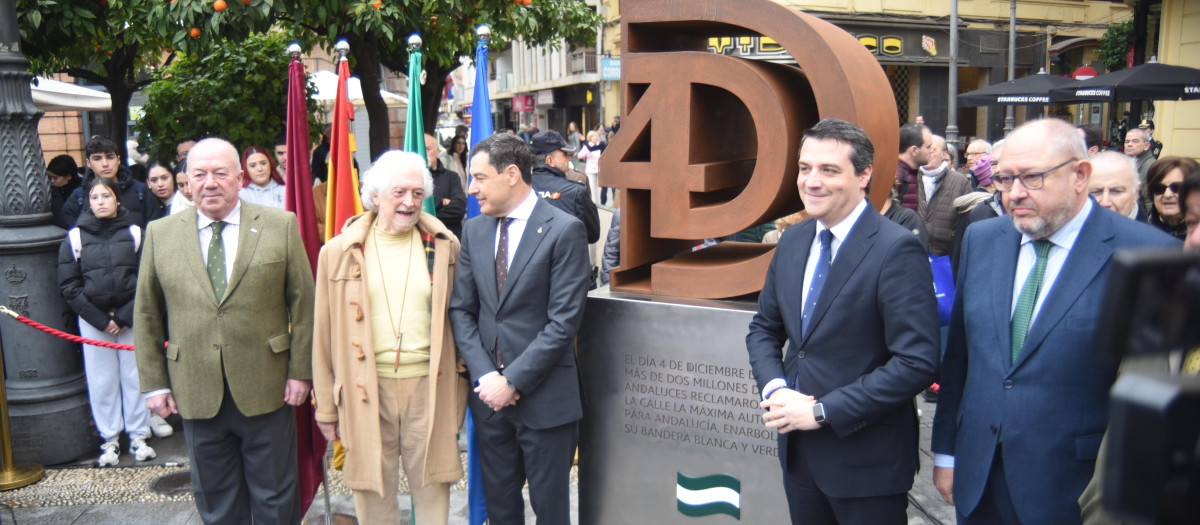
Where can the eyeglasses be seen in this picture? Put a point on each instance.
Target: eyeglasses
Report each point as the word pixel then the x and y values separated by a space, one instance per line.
pixel 1031 181
pixel 1159 188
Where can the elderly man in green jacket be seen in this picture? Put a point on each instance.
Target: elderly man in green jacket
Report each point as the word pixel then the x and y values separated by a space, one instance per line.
pixel 231 286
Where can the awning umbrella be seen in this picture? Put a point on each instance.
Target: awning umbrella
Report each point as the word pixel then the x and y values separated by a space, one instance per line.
pixel 1149 81
pixel 52 95
pixel 326 82
pixel 1033 90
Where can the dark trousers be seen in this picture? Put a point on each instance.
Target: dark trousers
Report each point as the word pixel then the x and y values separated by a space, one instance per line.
pixel 511 453
pixel 244 467
pixel 809 506
pixel 995 507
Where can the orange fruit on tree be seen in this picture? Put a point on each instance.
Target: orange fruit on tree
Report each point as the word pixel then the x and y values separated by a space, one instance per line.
pixel 219 6
pixel 110 53
pixel 376 4
pixel 195 32
pixel 245 2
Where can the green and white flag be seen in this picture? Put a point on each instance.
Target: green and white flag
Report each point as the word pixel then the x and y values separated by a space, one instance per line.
pixel 707 495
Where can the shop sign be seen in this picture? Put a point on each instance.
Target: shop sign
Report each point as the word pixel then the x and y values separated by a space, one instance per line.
pixel 887 44
pixel 522 103
pixel 545 97
pixel 610 68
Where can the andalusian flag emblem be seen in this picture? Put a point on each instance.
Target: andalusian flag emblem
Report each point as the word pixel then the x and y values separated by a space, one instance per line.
pixel 707 495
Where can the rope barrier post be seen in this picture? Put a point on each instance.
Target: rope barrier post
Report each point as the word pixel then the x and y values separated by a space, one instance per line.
pixel 12 476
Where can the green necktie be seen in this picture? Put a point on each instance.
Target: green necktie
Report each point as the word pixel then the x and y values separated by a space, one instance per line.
pixel 216 261
pixel 1023 315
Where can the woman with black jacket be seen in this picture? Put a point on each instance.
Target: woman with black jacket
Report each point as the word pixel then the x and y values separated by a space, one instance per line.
pixel 97 273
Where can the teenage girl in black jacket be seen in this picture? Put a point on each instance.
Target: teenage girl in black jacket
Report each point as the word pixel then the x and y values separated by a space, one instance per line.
pixel 97 273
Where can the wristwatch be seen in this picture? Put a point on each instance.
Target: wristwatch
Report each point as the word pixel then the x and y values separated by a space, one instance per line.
pixel 819 415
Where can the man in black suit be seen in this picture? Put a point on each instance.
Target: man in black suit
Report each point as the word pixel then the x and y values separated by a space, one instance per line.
pixel 853 293
pixel 517 304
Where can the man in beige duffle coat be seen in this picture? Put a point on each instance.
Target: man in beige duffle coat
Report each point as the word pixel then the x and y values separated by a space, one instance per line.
pixel 385 371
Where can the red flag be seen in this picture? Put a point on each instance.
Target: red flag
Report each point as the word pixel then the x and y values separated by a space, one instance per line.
pixel 299 175
pixel 310 443
pixel 342 193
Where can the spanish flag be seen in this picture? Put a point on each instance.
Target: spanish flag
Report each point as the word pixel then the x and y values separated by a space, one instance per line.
pixel 342 200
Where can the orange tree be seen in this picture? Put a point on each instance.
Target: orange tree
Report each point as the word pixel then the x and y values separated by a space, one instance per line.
pixel 100 41
pixel 377 31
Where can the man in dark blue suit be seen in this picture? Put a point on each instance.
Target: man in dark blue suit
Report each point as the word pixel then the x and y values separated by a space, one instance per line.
pixel 853 293
pixel 518 301
pixel 1023 398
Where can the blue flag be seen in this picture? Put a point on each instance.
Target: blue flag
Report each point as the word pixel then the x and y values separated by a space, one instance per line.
pixel 481 127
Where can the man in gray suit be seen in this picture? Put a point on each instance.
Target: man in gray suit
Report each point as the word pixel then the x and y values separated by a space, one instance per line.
pixel 231 284
pixel 517 304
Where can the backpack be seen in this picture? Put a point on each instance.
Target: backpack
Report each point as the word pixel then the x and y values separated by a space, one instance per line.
pixel 77 244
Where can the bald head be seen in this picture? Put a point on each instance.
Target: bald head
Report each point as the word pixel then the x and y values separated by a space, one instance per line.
pixel 215 176
pixel 1045 155
pixel 1114 183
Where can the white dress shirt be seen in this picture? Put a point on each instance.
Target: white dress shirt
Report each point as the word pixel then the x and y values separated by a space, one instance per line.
pixel 1061 243
pixel 840 231
pixel 229 236
pixel 518 218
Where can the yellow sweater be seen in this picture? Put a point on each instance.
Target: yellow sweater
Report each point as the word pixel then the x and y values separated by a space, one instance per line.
pixel 392 307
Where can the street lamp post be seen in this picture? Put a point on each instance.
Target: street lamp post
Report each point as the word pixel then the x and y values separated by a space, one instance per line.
pixel 44 379
pixel 952 108
pixel 1010 120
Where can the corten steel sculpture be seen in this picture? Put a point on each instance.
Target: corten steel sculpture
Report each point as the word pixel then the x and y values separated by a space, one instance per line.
pixel 709 142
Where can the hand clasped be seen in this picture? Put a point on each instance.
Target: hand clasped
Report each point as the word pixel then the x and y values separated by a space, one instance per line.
pixel 789 410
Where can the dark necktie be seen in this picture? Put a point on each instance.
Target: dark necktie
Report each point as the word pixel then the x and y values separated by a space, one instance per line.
pixel 818 278
pixel 502 256
pixel 216 260
pixel 1023 315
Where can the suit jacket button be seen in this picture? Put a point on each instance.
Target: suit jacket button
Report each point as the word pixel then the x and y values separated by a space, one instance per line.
pixel 1008 384
pixel 993 429
pixel 800 354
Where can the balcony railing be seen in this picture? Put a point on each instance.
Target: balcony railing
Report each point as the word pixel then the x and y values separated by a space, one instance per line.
pixel 582 61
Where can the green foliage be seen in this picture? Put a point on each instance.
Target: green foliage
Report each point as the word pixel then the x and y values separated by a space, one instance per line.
pixel 1114 45
pixel 90 35
pixel 236 91
pixel 447 26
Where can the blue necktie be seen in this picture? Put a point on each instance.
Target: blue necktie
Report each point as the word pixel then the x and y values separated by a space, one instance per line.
pixel 818 278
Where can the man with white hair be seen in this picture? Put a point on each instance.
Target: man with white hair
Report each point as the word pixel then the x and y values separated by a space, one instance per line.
pixel 385 375
pixel 1114 184
pixel 940 185
pixel 976 149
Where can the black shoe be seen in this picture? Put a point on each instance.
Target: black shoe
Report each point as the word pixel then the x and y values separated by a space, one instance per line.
pixel 930 395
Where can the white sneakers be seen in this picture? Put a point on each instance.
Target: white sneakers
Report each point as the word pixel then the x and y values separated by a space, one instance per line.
pixel 160 427
pixel 140 450
pixel 110 453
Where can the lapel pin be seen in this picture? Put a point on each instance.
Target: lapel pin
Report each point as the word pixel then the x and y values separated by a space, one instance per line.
pixel 539 230
pixel 253 230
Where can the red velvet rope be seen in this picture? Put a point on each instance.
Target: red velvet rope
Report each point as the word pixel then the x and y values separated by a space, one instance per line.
pixel 61 334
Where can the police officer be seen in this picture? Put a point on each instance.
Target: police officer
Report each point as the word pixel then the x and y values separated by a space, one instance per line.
pixel 551 158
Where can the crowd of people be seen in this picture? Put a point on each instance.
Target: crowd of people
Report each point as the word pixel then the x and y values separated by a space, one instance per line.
pixel 1029 228
pixel 414 317
pixel 410 321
